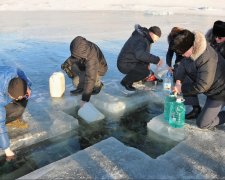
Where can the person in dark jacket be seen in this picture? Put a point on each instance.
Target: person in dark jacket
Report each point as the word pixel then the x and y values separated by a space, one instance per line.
pixel 205 67
pixel 216 37
pixel 85 66
pixel 14 93
pixel 135 57
pixel 170 52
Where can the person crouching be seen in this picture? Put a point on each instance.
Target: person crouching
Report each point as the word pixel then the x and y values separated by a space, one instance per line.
pixel 85 67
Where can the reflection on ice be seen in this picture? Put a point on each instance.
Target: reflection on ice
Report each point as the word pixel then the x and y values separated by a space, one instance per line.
pixel 162 128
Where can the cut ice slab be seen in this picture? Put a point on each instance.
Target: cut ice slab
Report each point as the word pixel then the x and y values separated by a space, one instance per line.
pixel 112 101
pixel 162 128
pixel 89 113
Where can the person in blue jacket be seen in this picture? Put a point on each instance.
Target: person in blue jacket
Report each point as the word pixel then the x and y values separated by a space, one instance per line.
pixel 14 93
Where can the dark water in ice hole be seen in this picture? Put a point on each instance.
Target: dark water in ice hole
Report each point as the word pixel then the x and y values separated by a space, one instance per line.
pixel 130 130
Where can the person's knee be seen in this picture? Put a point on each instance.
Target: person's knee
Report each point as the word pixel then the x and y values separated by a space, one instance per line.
pixel 200 124
pixel 204 122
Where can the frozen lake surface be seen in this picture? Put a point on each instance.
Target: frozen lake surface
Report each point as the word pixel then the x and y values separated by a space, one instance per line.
pixel 38 43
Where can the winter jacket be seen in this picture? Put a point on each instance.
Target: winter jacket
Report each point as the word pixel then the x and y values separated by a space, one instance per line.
pixel 89 58
pixel 6 74
pixel 136 50
pixel 206 68
pixel 220 48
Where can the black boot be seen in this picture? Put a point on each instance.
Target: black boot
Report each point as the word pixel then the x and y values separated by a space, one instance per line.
pixel 128 87
pixel 76 91
pixel 97 90
pixel 194 113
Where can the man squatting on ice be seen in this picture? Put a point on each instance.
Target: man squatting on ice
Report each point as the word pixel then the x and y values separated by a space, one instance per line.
pixel 14 93
pixel 205 69
pixel 134 58
pixel 85 67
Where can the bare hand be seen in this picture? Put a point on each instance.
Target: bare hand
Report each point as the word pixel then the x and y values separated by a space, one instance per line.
pixel 160 63
pixel 170 69
pixel 82 103
pixel 28 92
pixel 9 154
pixel 177 87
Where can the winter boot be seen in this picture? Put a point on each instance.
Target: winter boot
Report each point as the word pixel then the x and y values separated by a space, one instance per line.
pixel 128 87
pixel 194 113
pixel 76 91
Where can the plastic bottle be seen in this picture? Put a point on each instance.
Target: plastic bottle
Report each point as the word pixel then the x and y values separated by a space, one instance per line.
pixel 167 83
pixel 177 114
pixel 57 84
pixel 168 102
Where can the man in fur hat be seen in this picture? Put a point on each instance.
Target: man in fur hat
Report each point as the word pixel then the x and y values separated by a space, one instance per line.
pixel 205 67
pixel 135 57
pixel 216 37
pixel 14 92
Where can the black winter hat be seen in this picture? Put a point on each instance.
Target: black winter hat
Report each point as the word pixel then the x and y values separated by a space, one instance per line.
pixel 182 41
pixel 156 30
pixel 17 87
pixel 219 28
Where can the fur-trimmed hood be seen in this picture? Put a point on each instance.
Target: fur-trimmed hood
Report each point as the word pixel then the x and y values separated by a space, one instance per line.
pixel 199 45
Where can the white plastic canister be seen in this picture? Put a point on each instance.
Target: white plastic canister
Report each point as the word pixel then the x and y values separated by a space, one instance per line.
pixel 57 84
pixel 89 113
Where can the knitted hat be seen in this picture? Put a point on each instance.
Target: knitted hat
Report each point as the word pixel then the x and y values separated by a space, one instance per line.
pixel 17 87
pixel 219 28
pixel 155 30
pixel 182 42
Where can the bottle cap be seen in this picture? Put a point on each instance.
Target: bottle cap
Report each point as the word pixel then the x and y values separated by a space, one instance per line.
pixel 180 100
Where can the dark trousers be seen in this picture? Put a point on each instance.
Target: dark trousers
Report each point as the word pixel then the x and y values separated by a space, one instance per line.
pixel 79 78
pixel 211 114
pixel 139 72
pixel 190 100
pixel 15 110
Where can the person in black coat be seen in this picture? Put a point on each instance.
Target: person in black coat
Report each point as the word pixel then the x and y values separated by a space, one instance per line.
pixel 205 67
pixel 219 33
pixel 135 57
pixel 216 37
pixel 170 53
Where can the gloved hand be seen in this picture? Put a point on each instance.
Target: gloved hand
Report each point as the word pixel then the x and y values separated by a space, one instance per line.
pixel 67 68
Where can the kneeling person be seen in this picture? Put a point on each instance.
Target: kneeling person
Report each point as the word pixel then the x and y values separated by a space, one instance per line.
pixel 14 92
pixel 85 66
